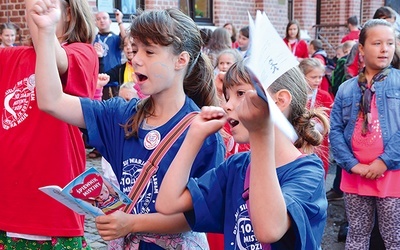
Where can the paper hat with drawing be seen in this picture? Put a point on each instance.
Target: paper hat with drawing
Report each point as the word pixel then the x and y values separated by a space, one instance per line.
pixel 269 59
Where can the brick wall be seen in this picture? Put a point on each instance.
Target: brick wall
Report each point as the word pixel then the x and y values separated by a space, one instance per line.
pixel 225 11
pixel 305 13
pixel 278 14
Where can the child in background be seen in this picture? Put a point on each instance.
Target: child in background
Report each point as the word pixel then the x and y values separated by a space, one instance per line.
pixel 170 68
pixel 338 74
pixel 244 41
pixel 8 33
pixel 286 188
pixel 339 52
pixel 292 39
pixel 314 72
pixel 317 51
pixel 220 40
pixel 232 31
pixel 205 36
pixel 365 140
pixel 225 59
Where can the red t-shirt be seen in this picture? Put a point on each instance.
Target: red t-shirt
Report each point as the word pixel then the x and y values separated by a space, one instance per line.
pixel 36 148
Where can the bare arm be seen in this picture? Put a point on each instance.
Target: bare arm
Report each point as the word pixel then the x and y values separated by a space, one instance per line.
pixel 118 17
pixel 61 56
pixel 119 224
pixel 173 196
pixel 50 95
pixel 268 209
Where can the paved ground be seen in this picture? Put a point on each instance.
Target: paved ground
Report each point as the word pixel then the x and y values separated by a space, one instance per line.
pixel 335 217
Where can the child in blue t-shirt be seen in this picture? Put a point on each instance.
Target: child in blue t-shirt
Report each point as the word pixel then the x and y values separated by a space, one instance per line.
pixel 286 194
pixel 170 68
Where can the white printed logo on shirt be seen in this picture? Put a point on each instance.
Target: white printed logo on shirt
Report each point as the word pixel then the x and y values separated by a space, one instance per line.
pixel 245 238
pixel 17 102
pixel 131 170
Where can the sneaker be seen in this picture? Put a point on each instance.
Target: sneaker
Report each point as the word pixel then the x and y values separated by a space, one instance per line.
pixel 332 195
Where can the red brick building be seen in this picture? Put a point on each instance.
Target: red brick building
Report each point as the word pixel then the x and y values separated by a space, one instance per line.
pixel 326 18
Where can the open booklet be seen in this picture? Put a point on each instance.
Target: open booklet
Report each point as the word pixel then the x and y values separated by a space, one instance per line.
pixel 89 194
pixel 269 59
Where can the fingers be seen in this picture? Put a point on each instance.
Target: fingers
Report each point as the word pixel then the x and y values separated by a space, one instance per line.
pixel 211 113
pixel 44 6
pixel 255 100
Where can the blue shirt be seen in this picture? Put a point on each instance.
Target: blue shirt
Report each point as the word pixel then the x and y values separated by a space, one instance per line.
pixel 219 206
pixel 344 115
pixel 127 156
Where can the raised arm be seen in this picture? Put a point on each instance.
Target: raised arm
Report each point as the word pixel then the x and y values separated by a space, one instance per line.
pixel 61 56
pixel 173 196
pixel 118 17
pixel 50 96
pixel 267 209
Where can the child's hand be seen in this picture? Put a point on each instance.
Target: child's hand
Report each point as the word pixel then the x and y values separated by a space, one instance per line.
pixel 208 121
pixel 113 226
pixel 376 169
pixel 360 169
pixel 102 80
pixel 46 14
pixel 253 112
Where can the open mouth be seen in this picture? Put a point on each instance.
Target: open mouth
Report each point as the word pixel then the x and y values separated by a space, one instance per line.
pixel 141 77
pixel 233 122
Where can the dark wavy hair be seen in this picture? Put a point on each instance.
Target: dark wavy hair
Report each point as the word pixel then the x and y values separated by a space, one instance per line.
pixel 172 28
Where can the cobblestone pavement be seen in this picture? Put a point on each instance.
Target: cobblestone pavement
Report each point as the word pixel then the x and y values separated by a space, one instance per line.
pixel 329 242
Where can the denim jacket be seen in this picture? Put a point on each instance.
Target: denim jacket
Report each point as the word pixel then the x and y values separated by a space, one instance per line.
pixel 344 116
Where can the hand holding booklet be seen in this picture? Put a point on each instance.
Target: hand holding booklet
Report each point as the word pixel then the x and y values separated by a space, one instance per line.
pixel 89 194
pixel 269 59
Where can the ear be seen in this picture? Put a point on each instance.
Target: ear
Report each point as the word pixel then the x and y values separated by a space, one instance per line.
pixel 182 60
pixel 283 98
pixel 68 14
pixel 361 49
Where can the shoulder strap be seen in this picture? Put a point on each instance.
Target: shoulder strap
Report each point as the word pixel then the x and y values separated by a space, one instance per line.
pixel 151 165
pixel 245 194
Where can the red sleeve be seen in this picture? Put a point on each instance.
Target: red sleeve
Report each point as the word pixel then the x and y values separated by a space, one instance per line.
pixel 83 70
pixel 302 50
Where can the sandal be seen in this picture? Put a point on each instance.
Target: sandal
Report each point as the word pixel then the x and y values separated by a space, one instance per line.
pixel 94 154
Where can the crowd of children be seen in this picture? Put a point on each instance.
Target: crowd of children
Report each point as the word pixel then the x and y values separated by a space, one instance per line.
pixel 213 177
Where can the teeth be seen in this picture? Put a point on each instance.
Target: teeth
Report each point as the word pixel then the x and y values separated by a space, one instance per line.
pixel 233 123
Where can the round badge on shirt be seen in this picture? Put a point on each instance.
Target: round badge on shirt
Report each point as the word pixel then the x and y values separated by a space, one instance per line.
pixel 152 139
